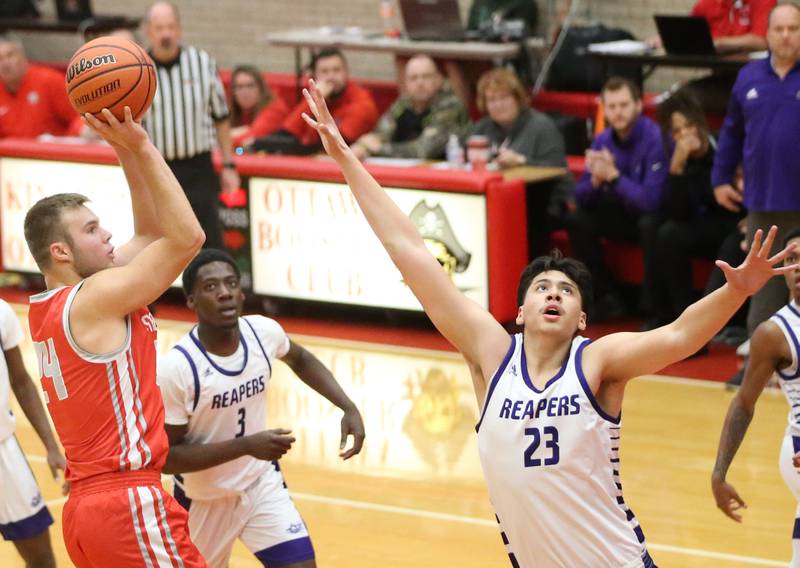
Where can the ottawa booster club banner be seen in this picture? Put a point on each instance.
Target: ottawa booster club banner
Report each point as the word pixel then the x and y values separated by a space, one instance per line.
pixel 310 241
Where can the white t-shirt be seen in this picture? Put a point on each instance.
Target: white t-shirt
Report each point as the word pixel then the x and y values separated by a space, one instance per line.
pixel 10 337
pixel 221 398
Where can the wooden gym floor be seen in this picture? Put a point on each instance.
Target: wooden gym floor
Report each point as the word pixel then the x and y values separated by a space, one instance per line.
pixel 415 497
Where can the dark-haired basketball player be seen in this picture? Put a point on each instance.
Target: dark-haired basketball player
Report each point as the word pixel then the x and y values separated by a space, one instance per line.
pixel 95 343
pixel 549 432
pixel 214 382
pixel 774 351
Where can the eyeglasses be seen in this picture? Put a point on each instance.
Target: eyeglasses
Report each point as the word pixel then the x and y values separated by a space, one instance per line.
pixel 241 86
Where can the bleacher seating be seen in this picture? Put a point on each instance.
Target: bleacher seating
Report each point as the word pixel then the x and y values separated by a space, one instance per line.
pixel 624 259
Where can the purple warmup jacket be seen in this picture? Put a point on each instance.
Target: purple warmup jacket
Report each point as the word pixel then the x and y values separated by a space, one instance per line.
pixel 762 132
pixel 642 164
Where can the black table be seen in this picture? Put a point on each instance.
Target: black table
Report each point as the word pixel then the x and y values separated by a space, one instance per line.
pixel 648 62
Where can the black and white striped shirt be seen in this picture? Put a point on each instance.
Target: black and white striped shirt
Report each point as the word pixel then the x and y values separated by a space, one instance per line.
pixel 189 98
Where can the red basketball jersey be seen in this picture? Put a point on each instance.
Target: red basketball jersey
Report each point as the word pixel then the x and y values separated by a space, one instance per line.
pixel 107 409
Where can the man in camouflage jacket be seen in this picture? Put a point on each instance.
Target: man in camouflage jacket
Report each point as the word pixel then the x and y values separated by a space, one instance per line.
pixel 420 122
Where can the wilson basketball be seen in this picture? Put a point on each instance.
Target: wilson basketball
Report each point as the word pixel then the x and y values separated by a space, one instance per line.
pixel 111 72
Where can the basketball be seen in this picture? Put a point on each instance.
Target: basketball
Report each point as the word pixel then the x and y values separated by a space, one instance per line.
pixel 111 72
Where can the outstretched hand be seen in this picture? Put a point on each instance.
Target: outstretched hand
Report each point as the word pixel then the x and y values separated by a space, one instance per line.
pixel 128 135
pixel 758 266
pixel 323 122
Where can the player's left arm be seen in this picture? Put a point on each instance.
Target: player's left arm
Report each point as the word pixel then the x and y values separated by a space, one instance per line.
pixel 622 356
pixel 31 405
pixel 768 352
pixel 317 376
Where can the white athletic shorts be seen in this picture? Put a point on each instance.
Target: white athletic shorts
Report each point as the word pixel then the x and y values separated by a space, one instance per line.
pixel 791 475
pixel 23 513
pixel 263 517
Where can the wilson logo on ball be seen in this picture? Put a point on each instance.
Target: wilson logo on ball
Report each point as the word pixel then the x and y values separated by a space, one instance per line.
pixel 87 64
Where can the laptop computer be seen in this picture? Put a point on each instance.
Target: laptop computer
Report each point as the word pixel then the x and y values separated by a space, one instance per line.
pixel 432 20
pixel 685 35
pixel 73 10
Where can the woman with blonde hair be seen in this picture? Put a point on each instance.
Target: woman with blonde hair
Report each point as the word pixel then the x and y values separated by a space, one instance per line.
pixel 522 136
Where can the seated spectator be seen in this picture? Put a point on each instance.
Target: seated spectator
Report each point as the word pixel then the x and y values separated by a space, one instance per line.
pixel 350 105
pixel 523 136
pixel 255 110
pixel 33 100
pixel 626 168
pixel 693 223
pixel 418 124
pixel 737 26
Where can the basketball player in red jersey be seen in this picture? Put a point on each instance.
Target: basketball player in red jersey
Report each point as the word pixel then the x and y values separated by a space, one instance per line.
pixel 95 343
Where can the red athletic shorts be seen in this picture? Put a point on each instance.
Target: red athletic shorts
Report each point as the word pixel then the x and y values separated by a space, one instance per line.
pixel 126 520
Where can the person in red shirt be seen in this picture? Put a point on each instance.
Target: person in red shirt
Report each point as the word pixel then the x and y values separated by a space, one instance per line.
pixel 351 106
pixel 255 110
pixel 33 100
pixel 95 342
pixel 736 25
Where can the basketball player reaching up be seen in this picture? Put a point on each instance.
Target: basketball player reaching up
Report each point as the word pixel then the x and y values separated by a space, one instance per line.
pixel 214 383
pixel 549 431
pixel 24 518
pixel 774 351
pixel 95 342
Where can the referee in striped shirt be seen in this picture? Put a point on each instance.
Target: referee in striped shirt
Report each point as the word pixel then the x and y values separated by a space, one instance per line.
pixel 189 108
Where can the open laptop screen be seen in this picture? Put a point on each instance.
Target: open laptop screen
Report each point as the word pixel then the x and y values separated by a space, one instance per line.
pixel 685 35
pixel 426 20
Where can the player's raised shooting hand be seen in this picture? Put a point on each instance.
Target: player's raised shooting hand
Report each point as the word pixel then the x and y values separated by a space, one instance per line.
pixel 758 266
pixel 728 500
pixel 323 122
pixel 352 425
pixel 128 134
pixel 270 444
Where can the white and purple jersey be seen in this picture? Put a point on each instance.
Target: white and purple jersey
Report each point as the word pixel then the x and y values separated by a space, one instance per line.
pixel 221 398
pixel 551 462
pixel 788 320
pixel 10 337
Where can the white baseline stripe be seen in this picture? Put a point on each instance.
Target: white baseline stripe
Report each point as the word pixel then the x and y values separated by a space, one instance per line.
pixel 488 523
pixel 717 555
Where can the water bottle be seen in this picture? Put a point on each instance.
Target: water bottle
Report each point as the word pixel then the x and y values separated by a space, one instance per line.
pixel 390 29
pixel 454 152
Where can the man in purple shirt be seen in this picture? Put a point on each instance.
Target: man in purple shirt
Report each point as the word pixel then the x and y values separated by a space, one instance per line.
pixel 762 132
pixel 626 169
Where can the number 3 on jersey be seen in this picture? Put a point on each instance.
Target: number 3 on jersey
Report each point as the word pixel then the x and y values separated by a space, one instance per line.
pixel 551 443
pixel 50 367
pixel 241 423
